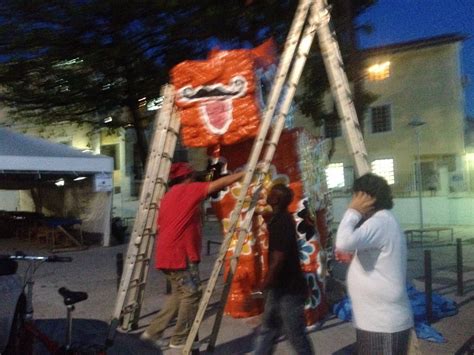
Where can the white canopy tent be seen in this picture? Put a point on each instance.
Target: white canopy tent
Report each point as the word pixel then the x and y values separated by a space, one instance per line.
pixel 34 165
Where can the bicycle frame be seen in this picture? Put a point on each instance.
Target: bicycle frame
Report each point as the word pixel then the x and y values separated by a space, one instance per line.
pixel 29 328
pixel 52 346
pixel 27 283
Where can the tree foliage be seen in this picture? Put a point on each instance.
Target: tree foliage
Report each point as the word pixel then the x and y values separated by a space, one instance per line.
pixel 85 60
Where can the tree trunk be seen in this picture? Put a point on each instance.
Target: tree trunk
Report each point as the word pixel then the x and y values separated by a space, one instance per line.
pixel 142 142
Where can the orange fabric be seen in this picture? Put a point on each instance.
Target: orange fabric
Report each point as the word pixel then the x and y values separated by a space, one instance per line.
pixel 217 98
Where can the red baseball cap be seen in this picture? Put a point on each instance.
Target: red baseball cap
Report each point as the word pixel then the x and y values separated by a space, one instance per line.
pixel 180 169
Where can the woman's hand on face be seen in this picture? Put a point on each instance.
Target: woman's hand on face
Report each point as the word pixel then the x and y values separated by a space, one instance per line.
pixel 362 202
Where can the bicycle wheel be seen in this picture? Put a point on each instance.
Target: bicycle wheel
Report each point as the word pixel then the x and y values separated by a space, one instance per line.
pixel 18 342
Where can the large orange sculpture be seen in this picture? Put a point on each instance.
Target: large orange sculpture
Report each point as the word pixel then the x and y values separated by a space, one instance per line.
pixel 219 104
pixel 311 229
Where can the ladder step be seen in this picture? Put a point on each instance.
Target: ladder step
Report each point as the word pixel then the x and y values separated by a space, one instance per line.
pixel 130 308
pixel 137 283
pixel 175 132
pixel 160 181
pixel 142 258
pixel 146 233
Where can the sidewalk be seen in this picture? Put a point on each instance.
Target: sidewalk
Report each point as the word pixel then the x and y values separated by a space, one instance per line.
pixel 94 271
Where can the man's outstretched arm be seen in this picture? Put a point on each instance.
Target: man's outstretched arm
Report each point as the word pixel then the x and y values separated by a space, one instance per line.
pixel 224 181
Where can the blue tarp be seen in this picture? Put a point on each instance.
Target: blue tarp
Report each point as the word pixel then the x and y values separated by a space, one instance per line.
pixel 441 307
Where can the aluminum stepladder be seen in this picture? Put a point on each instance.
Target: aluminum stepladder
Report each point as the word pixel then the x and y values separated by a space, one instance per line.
pixel 318 22
pixel 132 286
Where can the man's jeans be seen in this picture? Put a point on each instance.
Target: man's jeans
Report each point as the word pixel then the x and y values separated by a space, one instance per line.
pixel 184 302
pixel 283 312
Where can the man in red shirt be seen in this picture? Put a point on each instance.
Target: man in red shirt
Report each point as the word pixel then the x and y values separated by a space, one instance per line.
pixel 178 250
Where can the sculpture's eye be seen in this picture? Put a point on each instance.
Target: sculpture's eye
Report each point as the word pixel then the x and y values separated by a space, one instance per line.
pixel 238 82
pixel 187 91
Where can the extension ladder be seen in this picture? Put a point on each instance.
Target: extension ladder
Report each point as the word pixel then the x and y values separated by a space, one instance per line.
pixel 136 266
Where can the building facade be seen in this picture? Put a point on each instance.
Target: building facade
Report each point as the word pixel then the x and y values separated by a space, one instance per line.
pixel 416 124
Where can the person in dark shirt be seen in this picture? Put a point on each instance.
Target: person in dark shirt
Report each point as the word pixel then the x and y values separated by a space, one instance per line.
pixel 284 284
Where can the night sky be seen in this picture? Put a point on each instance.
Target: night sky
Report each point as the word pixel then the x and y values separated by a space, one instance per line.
pixel 404 20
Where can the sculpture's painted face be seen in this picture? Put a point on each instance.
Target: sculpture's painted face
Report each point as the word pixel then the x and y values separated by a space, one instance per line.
pixel 215 102
pixel 218 98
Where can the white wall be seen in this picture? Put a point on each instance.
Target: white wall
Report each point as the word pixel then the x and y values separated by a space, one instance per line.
pixel 9 200
pixel 440 210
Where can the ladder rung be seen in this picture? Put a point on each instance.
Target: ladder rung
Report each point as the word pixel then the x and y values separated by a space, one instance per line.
pixel 171 130
pixel 160 181
pixel 138 258
pixel 139 238
pixel 142 257
pixel 137 283
pixel 129 308
pixel 148 233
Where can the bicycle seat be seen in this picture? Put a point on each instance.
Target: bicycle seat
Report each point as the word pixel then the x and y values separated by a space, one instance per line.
pixel 72 297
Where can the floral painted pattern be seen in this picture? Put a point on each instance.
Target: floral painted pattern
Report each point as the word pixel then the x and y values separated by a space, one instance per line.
pixel 314 298
pixel 305 250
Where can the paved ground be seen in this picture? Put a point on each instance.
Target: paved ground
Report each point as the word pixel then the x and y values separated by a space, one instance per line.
pixel 94 271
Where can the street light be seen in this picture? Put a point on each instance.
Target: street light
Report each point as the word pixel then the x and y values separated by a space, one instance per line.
pixel 416 123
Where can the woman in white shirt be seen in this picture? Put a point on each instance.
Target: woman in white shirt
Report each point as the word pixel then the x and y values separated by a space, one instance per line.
pixel 376 278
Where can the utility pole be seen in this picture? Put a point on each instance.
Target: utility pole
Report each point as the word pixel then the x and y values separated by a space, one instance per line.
pixel 416 123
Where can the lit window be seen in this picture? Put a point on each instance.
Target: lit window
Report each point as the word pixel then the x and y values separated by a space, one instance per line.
pixel 335 175
pixel 381 119
pixel 379 71
pixel 384 168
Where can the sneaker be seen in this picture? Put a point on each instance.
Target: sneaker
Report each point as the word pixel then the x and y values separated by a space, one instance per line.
pixel 176 346
pixel 159 343
pixel 196 345
pixel 145 336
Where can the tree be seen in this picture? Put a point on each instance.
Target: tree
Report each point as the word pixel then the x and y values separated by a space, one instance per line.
pixel 87 60
pixel 311 102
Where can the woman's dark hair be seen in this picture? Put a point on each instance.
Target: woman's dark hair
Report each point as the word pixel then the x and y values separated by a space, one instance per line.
pixel 377 187
pixel 285 195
